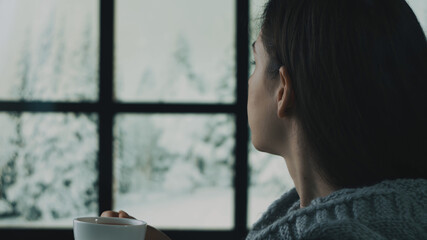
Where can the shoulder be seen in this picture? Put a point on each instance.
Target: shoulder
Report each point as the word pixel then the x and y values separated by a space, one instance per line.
pixel 391 209
pixel 351 229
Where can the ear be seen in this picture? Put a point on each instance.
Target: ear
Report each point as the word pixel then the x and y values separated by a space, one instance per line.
pixel 285 97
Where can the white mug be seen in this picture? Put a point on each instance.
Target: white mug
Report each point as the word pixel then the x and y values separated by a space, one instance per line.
pixel 107 228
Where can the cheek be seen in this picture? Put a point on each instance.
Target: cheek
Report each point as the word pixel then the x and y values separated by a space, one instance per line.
pixel 249 107
pixel 261 117
pixel 255 114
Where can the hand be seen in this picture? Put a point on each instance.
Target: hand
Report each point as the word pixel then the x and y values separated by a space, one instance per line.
pixel 120 214
pixel 151 234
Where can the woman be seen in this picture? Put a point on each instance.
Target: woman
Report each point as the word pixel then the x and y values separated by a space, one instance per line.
pixel 340 92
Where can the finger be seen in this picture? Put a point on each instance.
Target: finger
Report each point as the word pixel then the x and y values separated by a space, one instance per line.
pixel 109 213
pixel 123 214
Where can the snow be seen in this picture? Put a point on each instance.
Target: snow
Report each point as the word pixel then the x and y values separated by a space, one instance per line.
pixel 187 55
pixel 207 208
pixel 50 175
pixel 21 222
pixel 49 50
pixel 174 169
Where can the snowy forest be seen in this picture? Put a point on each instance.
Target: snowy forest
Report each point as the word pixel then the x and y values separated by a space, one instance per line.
pixel 172 170
pixel 48 161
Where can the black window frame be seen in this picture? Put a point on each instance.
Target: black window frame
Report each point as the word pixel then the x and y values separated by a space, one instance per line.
pixel 106 108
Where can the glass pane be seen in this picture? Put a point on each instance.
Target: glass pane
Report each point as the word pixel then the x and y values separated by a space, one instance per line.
pixel 175 51
pixel 420 9
pixel 269 180
pixel 256 8
pixel 49 50
pixel 48 172
pixel 175 171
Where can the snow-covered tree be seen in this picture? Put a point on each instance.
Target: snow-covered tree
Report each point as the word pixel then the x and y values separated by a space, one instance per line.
pixel 55 167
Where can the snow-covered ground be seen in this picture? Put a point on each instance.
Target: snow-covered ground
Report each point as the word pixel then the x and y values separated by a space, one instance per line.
pixel 208 208
pixel 21 222
pixel 204 209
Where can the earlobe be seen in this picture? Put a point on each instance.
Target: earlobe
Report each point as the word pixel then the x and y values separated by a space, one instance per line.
pixel 285 96
pixel 281 109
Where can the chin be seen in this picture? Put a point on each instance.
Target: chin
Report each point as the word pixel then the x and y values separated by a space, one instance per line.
pixel 255 143
pixel 262 147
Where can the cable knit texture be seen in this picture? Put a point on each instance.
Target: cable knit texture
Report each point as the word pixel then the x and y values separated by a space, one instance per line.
pixel 393 209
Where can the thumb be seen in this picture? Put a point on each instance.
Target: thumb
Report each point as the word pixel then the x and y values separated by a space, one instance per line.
pixel 123 214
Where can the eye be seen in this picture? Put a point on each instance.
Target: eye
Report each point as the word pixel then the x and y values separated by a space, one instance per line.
pixel 253 62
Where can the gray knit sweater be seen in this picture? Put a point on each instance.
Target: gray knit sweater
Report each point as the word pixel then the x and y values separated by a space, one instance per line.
pixel 389 210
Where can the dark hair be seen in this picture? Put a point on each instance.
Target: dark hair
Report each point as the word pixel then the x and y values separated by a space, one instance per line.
pixel 359 73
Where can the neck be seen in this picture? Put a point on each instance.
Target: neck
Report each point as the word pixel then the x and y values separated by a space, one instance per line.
pixel 310 186
pixel 307 179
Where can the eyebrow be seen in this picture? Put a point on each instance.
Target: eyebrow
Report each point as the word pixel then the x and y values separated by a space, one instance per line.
pixel 253 46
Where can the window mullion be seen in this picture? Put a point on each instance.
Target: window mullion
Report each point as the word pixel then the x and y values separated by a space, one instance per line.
pixel 106 62
pixel 241 166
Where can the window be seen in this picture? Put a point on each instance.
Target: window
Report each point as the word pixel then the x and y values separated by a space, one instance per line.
pixel 175 51
pixel 183 166
pixel 49 139
pixel 135 105
pixel 105 109
pixel 49 50
pixel 48 168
